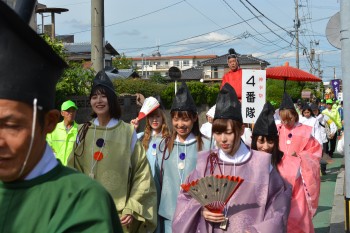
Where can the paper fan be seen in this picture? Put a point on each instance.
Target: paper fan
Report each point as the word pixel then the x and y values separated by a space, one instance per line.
pixel 213 192
pixel 150 104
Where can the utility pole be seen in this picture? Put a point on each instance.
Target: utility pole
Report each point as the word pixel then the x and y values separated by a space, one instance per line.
pixel 319 66
pixel 97 34
pixel 296 26
pixel 345 56
pixel 312 55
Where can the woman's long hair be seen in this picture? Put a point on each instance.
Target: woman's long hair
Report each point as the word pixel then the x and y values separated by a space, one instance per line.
pixel 276 154
pixel 148 129
pixel 195 129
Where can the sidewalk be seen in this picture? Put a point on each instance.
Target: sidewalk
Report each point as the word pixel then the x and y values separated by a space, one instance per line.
pixel 337 217
pixel 330 213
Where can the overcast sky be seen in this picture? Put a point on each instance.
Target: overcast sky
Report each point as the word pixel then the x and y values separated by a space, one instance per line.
pixel 263 28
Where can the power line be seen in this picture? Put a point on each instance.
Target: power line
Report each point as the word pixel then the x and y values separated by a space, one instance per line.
pixel 246 22
pixel 133 18
pixel 193 37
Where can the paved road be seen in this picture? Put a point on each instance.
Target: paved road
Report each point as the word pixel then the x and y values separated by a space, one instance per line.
pixel 322 219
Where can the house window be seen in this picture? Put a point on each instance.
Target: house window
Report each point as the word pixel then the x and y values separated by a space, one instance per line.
pixel 186 63
pixel 135 64
pixel 176 63
pixel 198 63
pixel 215 72
pixel 166 63
pixel 108 63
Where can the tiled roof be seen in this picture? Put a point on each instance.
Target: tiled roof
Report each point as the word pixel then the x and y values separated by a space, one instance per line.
pixel 195 73
pixel 242 59
pixel 119 74
pixel 81 48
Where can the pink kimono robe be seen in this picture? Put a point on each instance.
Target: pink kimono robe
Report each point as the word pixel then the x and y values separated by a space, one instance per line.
pixel 303 173
pixel 261 204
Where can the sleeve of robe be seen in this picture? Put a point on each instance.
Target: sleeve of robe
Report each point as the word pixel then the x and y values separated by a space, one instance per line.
pixel 277 207
pixel 142 200
pixel 79 213
pixel 310 157
pixel 188 210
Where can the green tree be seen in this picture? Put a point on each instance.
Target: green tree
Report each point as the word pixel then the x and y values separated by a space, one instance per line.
pixel 56 45
pixel 122 62
pixel 133 86
pixel 212 91
pixel 75 80
pixel 157 78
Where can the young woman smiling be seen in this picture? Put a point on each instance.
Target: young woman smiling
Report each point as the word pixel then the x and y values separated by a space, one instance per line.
pixel 108 151
pixel 179 155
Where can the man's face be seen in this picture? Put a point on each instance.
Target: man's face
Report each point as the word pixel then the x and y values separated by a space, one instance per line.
pixel 15 134
pixel 232 64
pixel 69 115
pixel 329 106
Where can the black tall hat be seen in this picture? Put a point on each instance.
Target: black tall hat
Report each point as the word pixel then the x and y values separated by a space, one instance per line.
pixel 183 100
pixel 102 79
pixel 29 68
pixel 231 54
pixel 227 104
pixel 265 124
pixel 287 102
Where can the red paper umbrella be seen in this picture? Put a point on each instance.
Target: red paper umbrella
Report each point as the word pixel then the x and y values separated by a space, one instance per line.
pixel 287 72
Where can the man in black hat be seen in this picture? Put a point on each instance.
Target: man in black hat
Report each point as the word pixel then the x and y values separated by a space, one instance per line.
pixel 37 193
pixel 234 75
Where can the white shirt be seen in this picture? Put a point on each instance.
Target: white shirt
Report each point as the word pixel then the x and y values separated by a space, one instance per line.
pixel 46 164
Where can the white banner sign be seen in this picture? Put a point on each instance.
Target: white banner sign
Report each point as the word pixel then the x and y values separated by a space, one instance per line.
pixel 253 94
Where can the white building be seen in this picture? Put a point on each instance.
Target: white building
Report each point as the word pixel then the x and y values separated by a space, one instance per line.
pixel 148 65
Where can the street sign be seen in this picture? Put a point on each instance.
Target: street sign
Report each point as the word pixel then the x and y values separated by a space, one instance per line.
pixel 174 73
pixel 253 94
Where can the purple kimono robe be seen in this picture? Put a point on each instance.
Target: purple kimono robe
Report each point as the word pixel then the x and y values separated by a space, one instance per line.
pixel 261 203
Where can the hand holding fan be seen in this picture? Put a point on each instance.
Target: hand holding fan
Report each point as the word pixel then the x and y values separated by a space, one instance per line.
pixel 150 104
pixel 213 192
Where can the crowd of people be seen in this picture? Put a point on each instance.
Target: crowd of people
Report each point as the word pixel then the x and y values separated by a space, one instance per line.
pixel 101 176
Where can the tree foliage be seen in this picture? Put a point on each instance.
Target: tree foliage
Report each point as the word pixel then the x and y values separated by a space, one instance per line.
pixel 122 62
pixel 157 78
pixel 200 92
pixel 212 91
pixel 75 80
pixel 56 45
pixel 133 86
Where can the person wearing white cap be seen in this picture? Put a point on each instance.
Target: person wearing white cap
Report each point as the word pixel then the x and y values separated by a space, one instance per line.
pixel 206 127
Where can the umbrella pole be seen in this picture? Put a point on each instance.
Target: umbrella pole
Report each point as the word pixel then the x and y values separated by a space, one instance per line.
pixel 284 85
